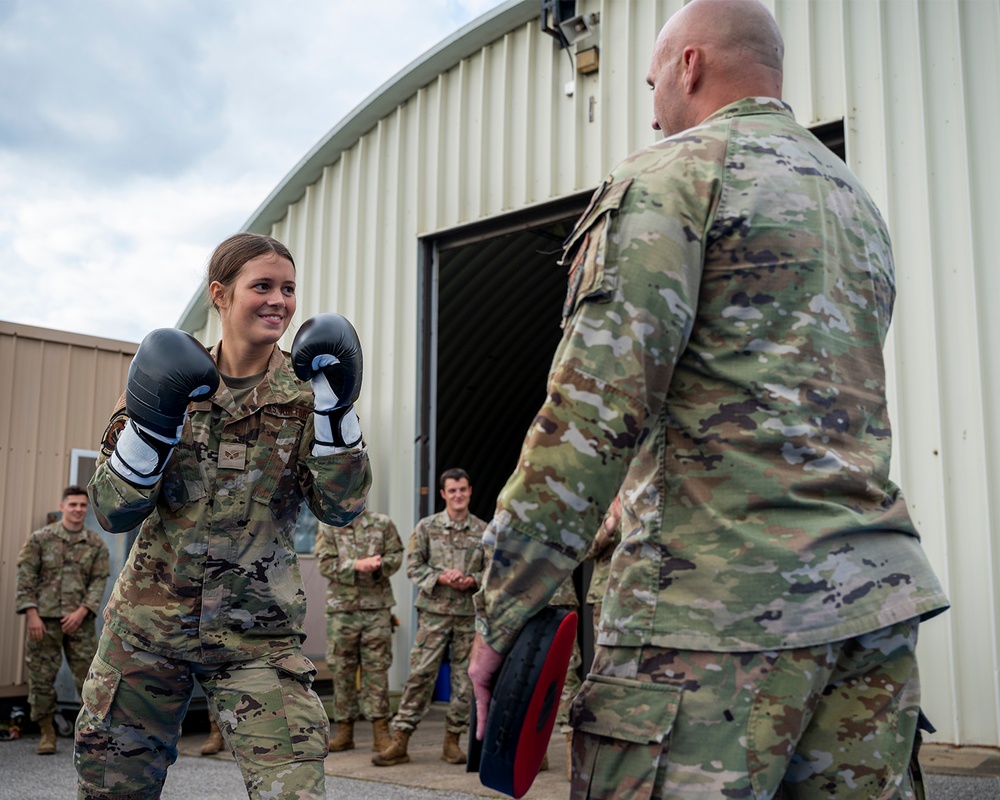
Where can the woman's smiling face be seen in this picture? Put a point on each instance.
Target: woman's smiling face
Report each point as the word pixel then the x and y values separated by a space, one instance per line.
pixel 260 306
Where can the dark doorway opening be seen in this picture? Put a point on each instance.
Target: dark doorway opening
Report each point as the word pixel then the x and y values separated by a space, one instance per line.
pixel 493 298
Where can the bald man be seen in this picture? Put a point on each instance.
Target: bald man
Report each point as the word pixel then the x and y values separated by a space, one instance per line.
pixel 730 291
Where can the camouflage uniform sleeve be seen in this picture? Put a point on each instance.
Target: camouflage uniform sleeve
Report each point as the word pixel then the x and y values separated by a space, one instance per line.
pixel 327 552
pixel 335 486
pixel 565 596
pixel 29 564
pixel 635 263
pixel 97 580
pixel 481 560
pixel 418 566
pixel 118 505
pixel 392 558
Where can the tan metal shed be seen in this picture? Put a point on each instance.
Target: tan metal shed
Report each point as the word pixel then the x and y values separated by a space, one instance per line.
pixel 431 214
pixel 57 391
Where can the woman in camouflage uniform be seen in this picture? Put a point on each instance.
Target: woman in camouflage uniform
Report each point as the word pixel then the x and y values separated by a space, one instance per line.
pixel 212 590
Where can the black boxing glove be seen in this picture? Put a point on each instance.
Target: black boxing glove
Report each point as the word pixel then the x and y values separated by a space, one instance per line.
pixel 327 352
pixel 170 369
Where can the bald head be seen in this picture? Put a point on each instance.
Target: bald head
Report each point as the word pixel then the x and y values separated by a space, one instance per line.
pixel 712 53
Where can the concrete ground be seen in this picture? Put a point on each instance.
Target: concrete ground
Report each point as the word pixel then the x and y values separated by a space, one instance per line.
pixel 954 773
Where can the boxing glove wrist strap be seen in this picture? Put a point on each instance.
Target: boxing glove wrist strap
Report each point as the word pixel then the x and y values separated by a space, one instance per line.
pixel 140 455
pixel 338 428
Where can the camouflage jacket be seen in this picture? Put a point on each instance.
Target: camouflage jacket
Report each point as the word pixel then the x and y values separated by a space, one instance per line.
pixel 336 551
pixel 565 596
pixel 213 575
pixel 59 570
pixel 730 291
pixel 437 544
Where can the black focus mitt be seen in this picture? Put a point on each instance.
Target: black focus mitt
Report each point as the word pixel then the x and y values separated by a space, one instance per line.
pixel 524 704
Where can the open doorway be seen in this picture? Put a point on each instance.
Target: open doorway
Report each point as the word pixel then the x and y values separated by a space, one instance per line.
pixel 493 296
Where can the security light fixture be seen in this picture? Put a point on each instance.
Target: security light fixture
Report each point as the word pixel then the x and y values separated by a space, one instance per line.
pixel 554 14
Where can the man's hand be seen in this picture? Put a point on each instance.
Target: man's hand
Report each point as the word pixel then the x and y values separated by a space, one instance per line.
pixel 484 663
pixel 36 628
pixel 606 532
pixel 369 564
pixel 450 577
pixel 613 518
pixel 73 620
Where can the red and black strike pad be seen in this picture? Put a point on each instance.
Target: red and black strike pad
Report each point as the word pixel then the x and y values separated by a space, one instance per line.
pixel 524 704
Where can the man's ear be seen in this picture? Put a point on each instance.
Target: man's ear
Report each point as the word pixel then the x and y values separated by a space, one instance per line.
pixel 691 61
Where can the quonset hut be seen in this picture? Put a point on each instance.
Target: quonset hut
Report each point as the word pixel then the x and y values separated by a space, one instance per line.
pixel 432 217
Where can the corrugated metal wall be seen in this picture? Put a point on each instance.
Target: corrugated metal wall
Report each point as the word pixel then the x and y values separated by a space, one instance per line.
pixel 494 131
pixel 57 391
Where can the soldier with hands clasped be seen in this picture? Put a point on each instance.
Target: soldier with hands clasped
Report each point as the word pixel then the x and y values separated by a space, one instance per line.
pixel 214 453
pixel 62 571
pixel 445 559
pixel 358 560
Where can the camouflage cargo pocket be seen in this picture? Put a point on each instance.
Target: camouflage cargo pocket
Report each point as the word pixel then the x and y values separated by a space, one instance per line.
pixel 623 729
pixel 99 689
pixel 294 665
pixel 303 713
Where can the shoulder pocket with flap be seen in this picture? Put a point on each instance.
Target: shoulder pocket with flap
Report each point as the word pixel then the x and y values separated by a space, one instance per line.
pixel 585 249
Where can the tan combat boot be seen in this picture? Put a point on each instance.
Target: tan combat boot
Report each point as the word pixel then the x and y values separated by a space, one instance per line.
pixel 214 743
pixel 344 740
pixel 569 756
pixel 395 753
pixel 380 729
pixel 452 753
pixel 47 746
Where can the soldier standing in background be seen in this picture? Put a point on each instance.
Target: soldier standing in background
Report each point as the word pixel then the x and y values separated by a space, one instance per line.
pixel 358 560
pixel 722 371
pixel 445 559
pixel 62 570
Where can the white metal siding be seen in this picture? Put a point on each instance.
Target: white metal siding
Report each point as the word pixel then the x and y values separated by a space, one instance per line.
pixel 916 84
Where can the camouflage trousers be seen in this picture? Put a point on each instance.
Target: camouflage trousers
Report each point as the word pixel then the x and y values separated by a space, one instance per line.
pixel 43 660
pixel 134 702
pixel 435 632
pixel 831 721
pixel 359 639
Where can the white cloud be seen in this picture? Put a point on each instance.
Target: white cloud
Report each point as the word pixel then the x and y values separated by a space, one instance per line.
pixel 137 134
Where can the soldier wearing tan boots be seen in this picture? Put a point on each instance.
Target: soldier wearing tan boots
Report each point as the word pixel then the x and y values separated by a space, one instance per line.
pixel 358 559
pixel 62 570
pixel 214 743
pixel 445 559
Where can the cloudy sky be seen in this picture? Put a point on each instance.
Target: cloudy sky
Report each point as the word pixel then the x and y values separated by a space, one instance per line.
pixel 137 134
